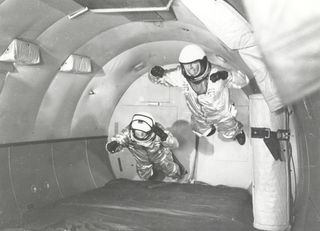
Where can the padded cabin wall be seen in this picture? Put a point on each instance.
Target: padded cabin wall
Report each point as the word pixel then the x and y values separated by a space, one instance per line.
pixel 33 175
pixel 9 212
pixel 57 37
pixel 30 26
pixel 36 103
pixel 23 92
pixel 28 29
pixel 288 35
pixel 2 80
pixel 307 208
pixel 56 111
pixel 28 96
pixel 94 111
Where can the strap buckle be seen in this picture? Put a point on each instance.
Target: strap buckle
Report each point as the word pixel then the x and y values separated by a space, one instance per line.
pixel 283 134
pixel 271 139
pixel 268 130
pixel 260 133
pixel 266 133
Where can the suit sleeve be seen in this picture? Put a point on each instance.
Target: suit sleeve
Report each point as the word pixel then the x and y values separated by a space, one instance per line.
pixel 123 138
pixel 172 78
pixel 171 141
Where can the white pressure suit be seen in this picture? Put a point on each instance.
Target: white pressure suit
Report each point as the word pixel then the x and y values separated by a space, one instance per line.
pixel 150 153
pixel 211 108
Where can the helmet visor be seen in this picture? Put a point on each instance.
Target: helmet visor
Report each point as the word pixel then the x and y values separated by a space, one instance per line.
pixel 196 71
pixel 141 135
pixel 141 130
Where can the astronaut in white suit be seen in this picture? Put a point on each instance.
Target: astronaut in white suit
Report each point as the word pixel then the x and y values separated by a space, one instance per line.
pixel 206 89
pixel 151 146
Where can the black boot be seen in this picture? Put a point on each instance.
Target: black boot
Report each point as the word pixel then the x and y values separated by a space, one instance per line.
pixel 158 174
pixel 213 130
pixel 241 138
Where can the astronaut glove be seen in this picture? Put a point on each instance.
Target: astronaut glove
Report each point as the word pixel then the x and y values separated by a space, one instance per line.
pixel 159 132
pixel 112 146
pixel 157 71
pixel 219 75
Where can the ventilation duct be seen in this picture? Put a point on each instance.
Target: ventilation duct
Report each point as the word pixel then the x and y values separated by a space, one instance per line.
pixel 21 52
pixel 76 64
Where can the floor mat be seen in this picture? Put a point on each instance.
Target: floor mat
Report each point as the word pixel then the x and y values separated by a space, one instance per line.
pixel 136 205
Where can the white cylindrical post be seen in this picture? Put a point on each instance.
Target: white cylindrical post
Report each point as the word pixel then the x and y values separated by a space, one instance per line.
pixel 270 184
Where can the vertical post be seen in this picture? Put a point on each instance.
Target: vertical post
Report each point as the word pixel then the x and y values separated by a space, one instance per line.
pixel 288 157
pixel 270 176
pixel 195 161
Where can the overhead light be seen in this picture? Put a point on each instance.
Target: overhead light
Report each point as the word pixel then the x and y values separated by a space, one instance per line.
pixel 76 64
pixel 21 52
pixel 78 13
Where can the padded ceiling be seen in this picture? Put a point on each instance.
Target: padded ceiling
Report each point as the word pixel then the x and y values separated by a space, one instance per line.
pixel 38 102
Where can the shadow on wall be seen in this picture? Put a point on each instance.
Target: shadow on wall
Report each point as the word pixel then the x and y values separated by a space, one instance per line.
pixel 205 145
pixel 181 129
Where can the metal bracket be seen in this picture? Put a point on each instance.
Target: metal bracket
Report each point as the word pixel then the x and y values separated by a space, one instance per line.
pixel 271 139
pixel 266 133
pixel 283 134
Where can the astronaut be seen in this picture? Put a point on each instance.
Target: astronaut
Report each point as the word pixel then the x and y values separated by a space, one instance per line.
pixel 150 144
pixel 206 90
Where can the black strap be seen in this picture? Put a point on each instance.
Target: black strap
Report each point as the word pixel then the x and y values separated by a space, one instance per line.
pixel 271 139
pixel 183 171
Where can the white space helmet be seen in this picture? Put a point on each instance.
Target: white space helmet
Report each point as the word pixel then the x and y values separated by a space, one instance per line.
pixel 141 125
pixel 191 53
pixel 194 55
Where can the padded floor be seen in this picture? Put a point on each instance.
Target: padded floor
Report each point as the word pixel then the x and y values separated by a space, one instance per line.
pixel 135 205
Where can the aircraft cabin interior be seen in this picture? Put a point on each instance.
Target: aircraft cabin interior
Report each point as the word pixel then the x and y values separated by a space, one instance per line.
pixel 73 73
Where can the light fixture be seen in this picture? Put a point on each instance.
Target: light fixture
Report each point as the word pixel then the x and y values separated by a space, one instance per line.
pixel 78 13
pixel 21 52
pixel 76 64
